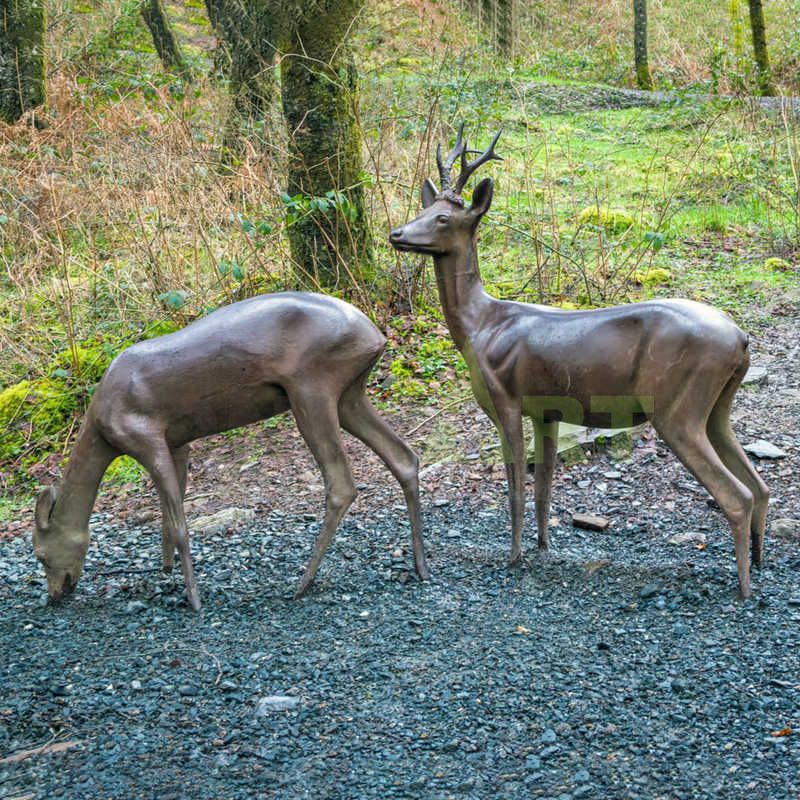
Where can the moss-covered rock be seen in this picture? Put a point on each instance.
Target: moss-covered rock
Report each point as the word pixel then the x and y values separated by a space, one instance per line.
pixel 656 276
pixel 33 413
pixel 611 220
pixel 85 363
pixel 778 265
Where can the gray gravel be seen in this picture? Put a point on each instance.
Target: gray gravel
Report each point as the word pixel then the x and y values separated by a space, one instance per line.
pixel 622 666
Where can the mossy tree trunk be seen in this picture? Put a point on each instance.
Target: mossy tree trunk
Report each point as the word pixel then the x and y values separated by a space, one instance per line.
pixel 22 65
pixel 166 44
pixel 505 26
pixel 644 78
pixel 330 237
pixel 249 31
pixel 765 84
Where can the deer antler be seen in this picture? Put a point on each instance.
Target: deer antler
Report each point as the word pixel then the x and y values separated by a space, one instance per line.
pixel 467 168
pixel 444 168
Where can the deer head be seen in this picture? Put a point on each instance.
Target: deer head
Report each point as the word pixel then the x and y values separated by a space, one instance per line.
pixel 60 549
pixel 446 224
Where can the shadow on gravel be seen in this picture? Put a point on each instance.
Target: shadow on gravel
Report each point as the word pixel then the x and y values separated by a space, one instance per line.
pixel 619 666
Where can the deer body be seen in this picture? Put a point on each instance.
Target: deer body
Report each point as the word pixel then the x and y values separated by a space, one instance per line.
pixel 675 362
pixel 244 362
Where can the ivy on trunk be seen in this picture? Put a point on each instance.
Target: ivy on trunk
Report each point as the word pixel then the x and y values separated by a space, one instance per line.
pixel 22 64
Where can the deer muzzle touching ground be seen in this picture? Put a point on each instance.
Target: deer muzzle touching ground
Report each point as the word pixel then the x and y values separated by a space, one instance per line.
pixel 249 361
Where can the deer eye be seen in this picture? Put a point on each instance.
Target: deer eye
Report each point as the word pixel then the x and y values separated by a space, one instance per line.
pixel 442 218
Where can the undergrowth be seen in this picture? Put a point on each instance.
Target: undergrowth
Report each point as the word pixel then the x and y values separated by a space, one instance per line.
pixel 117 222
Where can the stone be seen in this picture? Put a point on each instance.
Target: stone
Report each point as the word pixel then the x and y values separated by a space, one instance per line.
pixel 649 590
pixel 581 776
pixel 223 520
pixel 761 448
pixel 135 607
pixel 688 537
pixel 187 690
pixel 548 736
pixel 275 702
pixel 590 522
pixel 756 376
pixel 785 528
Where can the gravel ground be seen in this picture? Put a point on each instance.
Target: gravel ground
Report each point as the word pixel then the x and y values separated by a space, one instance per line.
pixel 621 666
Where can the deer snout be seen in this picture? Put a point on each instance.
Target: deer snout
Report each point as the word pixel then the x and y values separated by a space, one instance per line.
pixel 397 234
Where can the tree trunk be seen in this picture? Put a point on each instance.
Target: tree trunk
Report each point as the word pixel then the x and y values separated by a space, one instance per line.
pixel 163 38
pixel 644 79
pixel 249 32
pixel 505 26
pixel 329 237
pixel 765 84
pixel 22 65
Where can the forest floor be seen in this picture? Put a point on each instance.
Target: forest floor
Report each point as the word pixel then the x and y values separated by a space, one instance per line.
pixel 620 666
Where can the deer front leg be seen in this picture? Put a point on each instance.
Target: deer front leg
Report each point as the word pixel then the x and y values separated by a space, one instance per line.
pixel 507 417
pixel 546 441
pixel 317 418
pixel 174 533
pixel 180 457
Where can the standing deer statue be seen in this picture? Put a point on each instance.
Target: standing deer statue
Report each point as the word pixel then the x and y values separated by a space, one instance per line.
pixel 675 362
pixel 245 362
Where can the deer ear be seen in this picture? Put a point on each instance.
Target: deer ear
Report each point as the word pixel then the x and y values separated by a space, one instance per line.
pixel 44 507
pixel 428 193
pixel 482 197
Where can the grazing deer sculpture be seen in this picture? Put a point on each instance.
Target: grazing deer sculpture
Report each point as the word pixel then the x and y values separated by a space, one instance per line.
pixel 675 362
pixel 245 362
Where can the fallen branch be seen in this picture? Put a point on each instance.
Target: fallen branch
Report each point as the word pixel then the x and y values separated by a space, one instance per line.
pixel 49 747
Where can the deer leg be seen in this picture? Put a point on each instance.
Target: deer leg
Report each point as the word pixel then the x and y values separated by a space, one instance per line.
pixel 735 459
pixel 697 454
pixel 318 421
pixel 158 460
pixel 546 441
pixel 180 457
pixel 507 417
pixel 359 418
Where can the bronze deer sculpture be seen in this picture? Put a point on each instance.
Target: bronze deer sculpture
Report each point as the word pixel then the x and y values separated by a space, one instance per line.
pixel 677 363
pixel 244 362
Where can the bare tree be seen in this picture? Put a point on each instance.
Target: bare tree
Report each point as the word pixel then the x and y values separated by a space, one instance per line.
pixel 22 65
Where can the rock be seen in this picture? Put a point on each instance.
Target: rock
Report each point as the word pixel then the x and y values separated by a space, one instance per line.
pixel 533 762
pixel 590 522
pixel 756 376
pixel 135 607
pixel 612 474
pixel 136 685
pixel 649 590
pixel 688 537
pixel 584 484
pixel 229 686
pixel 581 776
pixel 275 702
pixel 188 690
pixel 548 736
pixel 223 520
pixel 761 448
pixel 785 528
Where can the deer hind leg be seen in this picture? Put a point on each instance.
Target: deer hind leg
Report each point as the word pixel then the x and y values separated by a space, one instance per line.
pixel 693 448
pixel 315 411
pixel 507 417
pixel 735 459
pixel 359 418
pixel 546 441
pixel 180 458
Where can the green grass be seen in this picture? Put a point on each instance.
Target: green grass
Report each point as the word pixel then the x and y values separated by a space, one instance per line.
pixel 128 228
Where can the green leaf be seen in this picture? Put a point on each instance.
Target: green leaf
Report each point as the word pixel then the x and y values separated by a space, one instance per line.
pixel 174 299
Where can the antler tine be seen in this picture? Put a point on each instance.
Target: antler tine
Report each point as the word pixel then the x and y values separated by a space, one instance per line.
pixel 467 168
pixel 444 168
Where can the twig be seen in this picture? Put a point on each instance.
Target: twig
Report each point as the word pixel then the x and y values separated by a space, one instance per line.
pixel 437 413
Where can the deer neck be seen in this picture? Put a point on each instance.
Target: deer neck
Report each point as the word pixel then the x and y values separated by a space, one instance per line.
pixel 77 492
pixel 461 292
